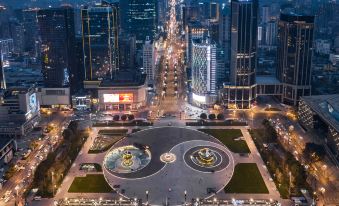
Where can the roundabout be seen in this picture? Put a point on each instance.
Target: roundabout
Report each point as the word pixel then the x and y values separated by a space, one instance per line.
pixel 168 165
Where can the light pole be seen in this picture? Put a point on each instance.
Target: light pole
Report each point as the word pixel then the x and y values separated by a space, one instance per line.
pixel 147 197
pixel 185 192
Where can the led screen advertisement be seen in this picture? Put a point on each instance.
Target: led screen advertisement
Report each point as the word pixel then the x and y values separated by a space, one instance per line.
pixel 118 98
pixel 33 103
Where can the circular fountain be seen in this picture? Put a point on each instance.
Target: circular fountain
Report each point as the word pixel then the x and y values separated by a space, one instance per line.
pixel 205 157
pixel 127 159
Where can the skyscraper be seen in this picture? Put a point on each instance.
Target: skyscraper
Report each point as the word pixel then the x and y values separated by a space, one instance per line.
pixel 244 28
pixel 295 47
pixel 57 42
pixel 100 41
pixel 139 18
pixel 148 60
pixel 194 30
pixel 204 66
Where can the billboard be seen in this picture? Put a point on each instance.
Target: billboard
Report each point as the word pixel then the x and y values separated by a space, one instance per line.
pixel 118 98
pixel 33 103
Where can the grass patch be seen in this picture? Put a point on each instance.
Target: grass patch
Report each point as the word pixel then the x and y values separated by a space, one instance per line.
pixel 91 183
pixel 228 137
pixel 104 143
pixel 246 179
pixel 122 124
pixel 217 123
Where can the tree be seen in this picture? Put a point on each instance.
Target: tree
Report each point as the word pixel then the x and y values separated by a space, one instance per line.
pixel 123 117
pixel 116 117
pixel 203 116
pixel 220 116
pixel 211 116
pixel 314 152
pixel 130 117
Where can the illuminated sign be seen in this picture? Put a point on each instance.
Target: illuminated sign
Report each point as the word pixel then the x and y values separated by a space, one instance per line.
pixel 115 98
pixel 198 98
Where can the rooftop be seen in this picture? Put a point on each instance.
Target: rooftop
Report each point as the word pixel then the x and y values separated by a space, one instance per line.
pixel 125 78
pixel 267 80
pixel 326 106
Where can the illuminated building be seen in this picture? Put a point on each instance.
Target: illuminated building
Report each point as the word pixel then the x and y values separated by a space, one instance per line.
pixel 2 73
pixel 271 30
pixel 19 112
pixel 8 147
pixel 320 115
pixel 139 18
pixel 127 91
pixel 194 30
pixel 295 47
pixel 148 60
pixel 100 41
pixel 204 66
pixel 240 93
pixel 57 45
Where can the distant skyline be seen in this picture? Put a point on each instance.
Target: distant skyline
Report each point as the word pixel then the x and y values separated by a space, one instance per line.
pixel 54 3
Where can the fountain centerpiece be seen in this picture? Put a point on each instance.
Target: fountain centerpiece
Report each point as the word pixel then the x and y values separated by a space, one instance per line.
pixel 205 155
pixel 127 159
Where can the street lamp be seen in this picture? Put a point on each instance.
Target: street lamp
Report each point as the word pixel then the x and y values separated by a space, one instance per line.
pixel 185 192
pixel 147 197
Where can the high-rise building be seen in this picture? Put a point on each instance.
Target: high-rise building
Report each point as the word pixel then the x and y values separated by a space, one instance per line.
pixel 31 32
pixel 57 45
pixel 148 60
pixel 194 30
pixel 139 18
pixel 100 42
pixel 265 14
pixel 271 33
pixel 295 47
pixel 244 29
pixel 127 52
pixel 204 66
pixel 16 31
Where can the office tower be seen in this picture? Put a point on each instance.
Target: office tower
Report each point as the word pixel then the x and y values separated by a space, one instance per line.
pixel 139 18
pixel 194 30
pixel 295 46
pixel 16 31
pixel 162 11
pixel 265 14
pixel 31 32
pixel 271 33
pixel 244 28
pixel 148 60
pixel 224 32
pixel 204 66
pixel 57 45
pixel 100 42
pixel 127 52
pixel 214 11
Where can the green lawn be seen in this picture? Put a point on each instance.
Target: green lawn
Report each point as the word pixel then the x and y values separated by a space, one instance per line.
pixel 91 183
pixel 246 179
pixel 227 137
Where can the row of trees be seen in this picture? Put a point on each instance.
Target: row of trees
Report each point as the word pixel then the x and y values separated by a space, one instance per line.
pixel 123 117
pixel 212 116
pixel 50 172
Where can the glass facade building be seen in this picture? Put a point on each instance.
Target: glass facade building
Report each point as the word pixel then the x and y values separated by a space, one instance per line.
pixel 243 56
pixel 204 66
pixel 100 42
pixel 295 47
pixel 57 45
pixel 139 18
